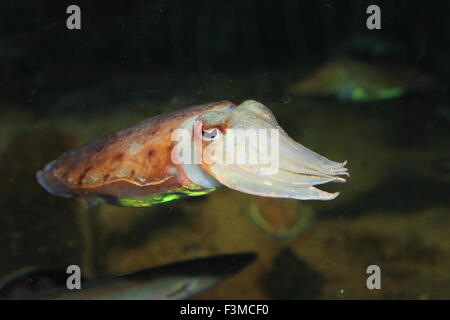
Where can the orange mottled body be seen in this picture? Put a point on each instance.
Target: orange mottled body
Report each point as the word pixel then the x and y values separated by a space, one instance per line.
pixel 133 162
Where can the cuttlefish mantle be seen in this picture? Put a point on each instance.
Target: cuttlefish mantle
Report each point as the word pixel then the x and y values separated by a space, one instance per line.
pixel 141 166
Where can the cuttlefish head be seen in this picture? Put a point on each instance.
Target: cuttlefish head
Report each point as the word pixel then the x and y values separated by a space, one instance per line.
pixel 245 149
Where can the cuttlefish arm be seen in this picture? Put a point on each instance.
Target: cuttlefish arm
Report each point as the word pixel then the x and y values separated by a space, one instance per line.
pixel 298 169
pixel 142 165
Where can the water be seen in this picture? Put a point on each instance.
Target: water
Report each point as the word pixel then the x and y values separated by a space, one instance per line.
pixel 62 88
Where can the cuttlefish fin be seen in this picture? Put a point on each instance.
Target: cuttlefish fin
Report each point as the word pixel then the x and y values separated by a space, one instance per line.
pixel 57 188
pixel 53 185
pixel 93 201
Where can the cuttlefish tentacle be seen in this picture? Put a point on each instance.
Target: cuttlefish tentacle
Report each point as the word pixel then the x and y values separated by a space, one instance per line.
pixel 138 166
pixel 299 168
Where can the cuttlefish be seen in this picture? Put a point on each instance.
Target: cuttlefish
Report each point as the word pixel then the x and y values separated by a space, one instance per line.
pixel 141 165
pixel 360 81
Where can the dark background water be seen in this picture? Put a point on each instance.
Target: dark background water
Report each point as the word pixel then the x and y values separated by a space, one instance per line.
pixel 187 43
pixel 60 88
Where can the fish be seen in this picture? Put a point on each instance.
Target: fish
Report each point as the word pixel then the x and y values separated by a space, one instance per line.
pixel 355 80
pixel 180 280
pixel 146 163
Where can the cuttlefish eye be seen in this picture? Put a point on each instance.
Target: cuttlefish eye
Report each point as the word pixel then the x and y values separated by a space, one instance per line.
pixel 211 135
